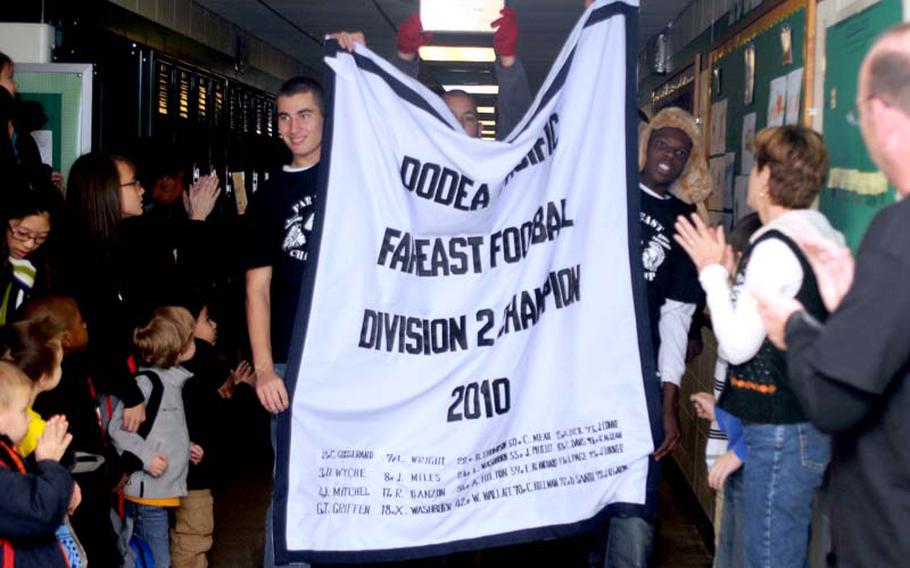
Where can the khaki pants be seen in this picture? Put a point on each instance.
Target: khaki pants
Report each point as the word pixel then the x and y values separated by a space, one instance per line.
pixel 191 536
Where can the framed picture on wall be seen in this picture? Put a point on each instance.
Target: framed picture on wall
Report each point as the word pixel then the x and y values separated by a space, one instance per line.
pixel 717 83
pixel 749 56
pixel 786 44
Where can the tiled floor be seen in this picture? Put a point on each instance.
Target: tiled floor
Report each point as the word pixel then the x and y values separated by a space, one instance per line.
pixel 240 509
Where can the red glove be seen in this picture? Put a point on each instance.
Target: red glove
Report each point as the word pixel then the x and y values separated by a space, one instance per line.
pixel 411 35
pixel 506 36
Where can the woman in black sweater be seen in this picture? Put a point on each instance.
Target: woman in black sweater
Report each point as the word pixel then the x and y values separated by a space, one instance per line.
pixel 102 196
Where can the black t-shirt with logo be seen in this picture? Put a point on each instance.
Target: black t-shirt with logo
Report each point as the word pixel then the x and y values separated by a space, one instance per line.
pixel 668 271
pixel 280 217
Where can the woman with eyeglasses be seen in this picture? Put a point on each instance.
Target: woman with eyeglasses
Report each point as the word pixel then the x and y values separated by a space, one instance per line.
pixel 28 225
pixel 95 267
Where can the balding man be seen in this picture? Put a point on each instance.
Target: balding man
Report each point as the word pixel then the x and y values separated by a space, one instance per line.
pixel 851 374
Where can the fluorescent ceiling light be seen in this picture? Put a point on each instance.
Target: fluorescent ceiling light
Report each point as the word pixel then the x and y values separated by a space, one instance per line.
pixel 487 122
pixel 487 138
pixel 486 110
pixel 488 132
pixel 474 89
pixel 460 16
pixel 446 53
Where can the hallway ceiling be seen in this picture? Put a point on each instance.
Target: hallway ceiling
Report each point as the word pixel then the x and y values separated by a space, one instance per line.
pixel 296 26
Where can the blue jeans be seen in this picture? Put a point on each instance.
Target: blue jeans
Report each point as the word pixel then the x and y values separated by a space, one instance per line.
pixel 151 523
pixel 629 543
pixel 785 467
pixel 729 552
pixel 630 539
pixel 269 552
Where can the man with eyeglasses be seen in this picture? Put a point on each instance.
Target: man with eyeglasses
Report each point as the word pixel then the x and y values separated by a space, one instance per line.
pixel 852 373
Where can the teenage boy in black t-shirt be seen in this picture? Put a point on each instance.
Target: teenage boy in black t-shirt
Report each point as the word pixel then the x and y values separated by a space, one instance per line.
pixel 281 221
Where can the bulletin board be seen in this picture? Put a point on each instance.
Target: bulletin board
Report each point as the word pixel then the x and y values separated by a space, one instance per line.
pixel 857 190
pixel 728 84
pixel 65 92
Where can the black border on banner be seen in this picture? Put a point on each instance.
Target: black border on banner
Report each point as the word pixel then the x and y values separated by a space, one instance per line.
pixel 648 362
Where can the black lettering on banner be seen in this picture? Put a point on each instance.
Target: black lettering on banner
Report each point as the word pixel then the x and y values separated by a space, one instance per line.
pixel 382 331
pixel 429 176
pixel 542 149
pixel 482 339
pixel 442 185
pixel 435 256
pixel 526 308
pixel 410 169
pixel 512 244
pixel 472 401
pixel 480 400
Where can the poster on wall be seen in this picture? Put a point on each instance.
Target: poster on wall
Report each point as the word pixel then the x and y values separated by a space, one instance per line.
pixel 748 143
pixel 740 195
pixel 749 54
pixel 45 142
pixel 719 127
pixel 729 174
pixel 786 44
pixel 777 101
pixel 717 167
pixel 794 92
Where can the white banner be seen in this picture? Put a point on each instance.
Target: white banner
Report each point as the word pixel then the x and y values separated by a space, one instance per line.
pixel 470 369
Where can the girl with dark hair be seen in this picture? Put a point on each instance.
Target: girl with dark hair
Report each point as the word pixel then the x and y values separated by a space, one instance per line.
pixel 27 225
pixel 102 192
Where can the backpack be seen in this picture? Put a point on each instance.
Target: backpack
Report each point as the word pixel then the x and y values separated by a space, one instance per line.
pixel 135 551
pixel 142 552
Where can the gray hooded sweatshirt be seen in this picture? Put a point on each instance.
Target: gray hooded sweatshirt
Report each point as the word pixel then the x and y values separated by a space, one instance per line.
pixel 168 436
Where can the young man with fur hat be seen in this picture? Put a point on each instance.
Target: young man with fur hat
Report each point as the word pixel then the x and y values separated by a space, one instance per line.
pixel 673 180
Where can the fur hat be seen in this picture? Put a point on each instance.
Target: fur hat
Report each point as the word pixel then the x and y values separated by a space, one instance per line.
pixel 694 184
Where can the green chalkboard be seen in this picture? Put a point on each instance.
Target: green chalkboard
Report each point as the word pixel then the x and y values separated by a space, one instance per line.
pixel 769 64
pixel 846 44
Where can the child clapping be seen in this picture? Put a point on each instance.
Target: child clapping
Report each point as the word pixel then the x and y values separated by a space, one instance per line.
pixel 37 499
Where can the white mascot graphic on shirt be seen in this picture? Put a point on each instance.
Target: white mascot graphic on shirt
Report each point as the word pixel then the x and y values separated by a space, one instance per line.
pixel 295 238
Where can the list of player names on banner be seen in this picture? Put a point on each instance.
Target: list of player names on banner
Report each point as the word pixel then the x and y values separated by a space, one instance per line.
pixel 367 482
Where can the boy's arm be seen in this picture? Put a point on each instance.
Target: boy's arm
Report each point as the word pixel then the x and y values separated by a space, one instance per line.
pixel 130 444
pixel 675 319
pixel 734 430
pixel 34 504
pixel 269 386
